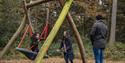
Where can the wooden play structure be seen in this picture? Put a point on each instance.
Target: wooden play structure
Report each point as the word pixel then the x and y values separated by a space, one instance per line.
pixel 65 4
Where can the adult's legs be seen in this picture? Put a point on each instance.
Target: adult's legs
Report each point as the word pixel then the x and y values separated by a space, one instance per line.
pixel 98 54
pixel 101 55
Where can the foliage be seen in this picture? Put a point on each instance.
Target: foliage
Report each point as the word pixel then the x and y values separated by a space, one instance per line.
pixel 116 52
pixel 9 20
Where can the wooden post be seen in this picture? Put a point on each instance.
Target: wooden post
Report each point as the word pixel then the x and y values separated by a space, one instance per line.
pixel 11 41
pixel 77 35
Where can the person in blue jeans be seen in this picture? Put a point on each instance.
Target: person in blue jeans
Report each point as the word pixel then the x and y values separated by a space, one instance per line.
pixel 66 47
pixel 98 37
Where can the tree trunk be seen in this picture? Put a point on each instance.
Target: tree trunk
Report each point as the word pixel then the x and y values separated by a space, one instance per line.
pixel 11 41
pixel 113 22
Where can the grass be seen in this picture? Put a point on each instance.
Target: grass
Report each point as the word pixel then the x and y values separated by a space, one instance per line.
pixel 116 52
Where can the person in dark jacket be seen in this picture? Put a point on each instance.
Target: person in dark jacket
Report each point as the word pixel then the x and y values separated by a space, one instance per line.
pixel 66 46
pixel 98 37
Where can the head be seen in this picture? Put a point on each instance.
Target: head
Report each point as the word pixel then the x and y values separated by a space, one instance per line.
pixel 99 17
pixel 36 35
pixel 66 34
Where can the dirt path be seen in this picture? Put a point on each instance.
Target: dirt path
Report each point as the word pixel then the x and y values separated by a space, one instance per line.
pixel 54 60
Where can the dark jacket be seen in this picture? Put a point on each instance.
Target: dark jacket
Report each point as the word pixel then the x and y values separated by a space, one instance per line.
pixel 98 34
pixel 68 44
pixel 34 43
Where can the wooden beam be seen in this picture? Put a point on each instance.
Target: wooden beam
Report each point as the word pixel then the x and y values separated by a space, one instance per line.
pixel 34 3
pixel 77 35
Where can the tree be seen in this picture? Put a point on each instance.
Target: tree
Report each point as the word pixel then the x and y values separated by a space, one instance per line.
pixel 113 22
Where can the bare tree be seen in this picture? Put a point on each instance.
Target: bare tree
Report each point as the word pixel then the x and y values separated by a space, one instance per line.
pixel 113 22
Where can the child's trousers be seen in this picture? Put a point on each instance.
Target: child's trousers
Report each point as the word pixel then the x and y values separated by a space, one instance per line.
pixel 68 57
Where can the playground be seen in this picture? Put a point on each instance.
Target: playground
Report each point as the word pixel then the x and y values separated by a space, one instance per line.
pixel 37 39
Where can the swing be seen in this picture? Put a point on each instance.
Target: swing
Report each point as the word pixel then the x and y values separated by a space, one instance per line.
pixel 27 52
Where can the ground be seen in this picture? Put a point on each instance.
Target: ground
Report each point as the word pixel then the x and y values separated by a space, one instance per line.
pixel 55 60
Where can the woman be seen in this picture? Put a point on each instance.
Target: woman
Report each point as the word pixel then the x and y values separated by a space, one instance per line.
pixel 66 46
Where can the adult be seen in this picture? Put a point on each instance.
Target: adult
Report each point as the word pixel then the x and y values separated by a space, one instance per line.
pixel 98 37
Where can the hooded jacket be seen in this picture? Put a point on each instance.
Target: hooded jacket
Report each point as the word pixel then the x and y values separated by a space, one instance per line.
pixel 98 34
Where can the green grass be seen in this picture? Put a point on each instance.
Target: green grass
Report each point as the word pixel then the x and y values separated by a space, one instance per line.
pixel 116 52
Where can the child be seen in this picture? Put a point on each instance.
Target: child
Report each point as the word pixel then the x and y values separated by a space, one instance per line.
pixel 34 42
pixel 66 46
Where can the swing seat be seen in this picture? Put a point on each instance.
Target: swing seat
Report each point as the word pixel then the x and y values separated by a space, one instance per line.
pixel 29 54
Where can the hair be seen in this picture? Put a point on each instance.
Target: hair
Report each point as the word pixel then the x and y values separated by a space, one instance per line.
pixel 34 34
pixel 99 17
pixel 67 34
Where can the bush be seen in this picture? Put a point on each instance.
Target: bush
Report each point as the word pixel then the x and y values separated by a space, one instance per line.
pixel 116 52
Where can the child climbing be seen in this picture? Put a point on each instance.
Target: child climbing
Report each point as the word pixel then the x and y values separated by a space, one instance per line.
pixel 66 47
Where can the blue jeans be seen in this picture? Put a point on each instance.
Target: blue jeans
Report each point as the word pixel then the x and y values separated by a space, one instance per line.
pixel 98 54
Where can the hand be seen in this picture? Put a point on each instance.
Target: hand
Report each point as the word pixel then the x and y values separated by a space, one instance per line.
pixel 58 50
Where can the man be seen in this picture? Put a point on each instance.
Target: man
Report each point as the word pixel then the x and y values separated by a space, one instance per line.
pixel 98 37
pixel 66 47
